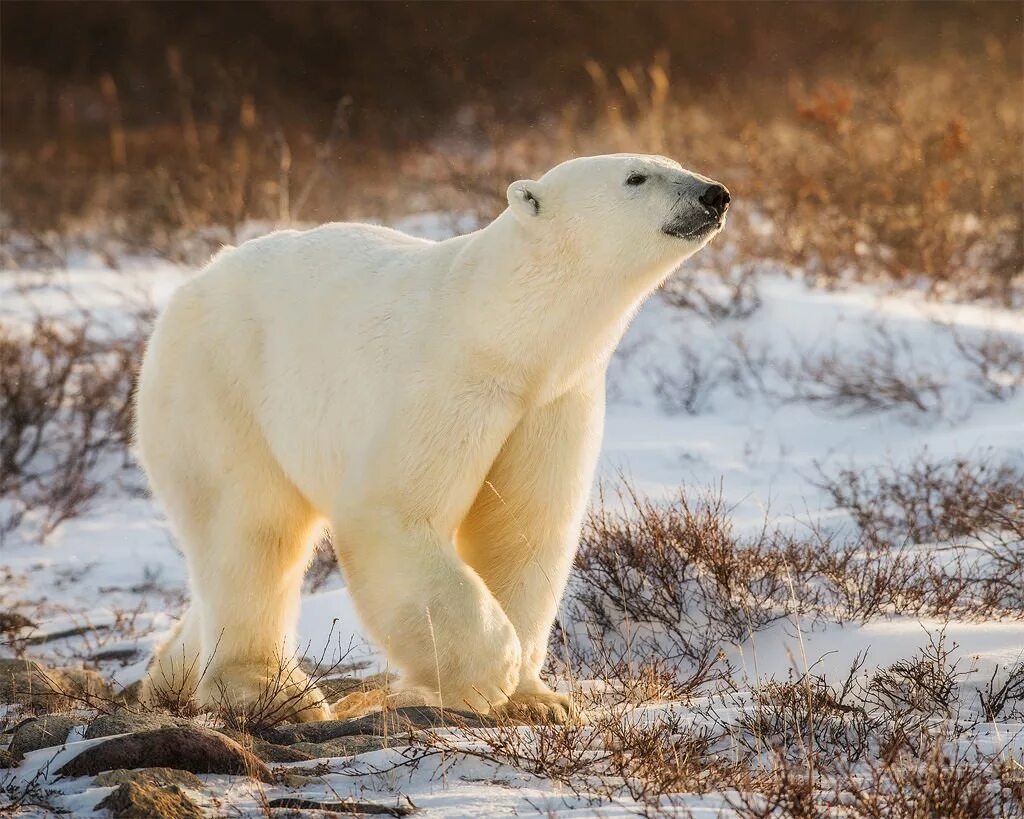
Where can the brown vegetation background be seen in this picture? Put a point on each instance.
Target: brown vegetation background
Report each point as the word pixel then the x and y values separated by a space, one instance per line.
pixel 877 138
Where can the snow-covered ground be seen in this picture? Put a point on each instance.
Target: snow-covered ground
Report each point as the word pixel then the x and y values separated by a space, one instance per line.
pixel 116 569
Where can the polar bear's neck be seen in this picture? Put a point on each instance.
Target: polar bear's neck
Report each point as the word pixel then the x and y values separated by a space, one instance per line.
pixel 536 309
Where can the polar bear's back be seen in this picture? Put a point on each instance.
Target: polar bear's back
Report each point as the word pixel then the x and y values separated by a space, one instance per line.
pixel 297 324
pixel 336 276
pixel 339 252
pixel 296 293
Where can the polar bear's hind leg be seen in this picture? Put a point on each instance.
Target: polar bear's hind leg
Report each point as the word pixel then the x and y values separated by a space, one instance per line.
pixel 245 530
pixel 247 585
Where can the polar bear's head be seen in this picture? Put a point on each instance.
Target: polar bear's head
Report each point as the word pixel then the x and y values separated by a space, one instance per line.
pixel 636 212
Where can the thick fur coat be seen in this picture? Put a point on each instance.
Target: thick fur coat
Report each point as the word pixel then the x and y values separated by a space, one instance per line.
pixel 440 404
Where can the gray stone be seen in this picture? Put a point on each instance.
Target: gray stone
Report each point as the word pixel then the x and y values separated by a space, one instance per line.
pixel 342 746
pixel 42 732
pixel 19 679
pixel 199 750
pixel 269 752
pixel 128 722
pixel 133 800
pixel 382 723
pixel 26 682
pixel 159 777
pixel 111 654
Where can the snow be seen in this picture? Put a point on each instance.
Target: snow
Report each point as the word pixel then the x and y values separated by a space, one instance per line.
pixel 117 569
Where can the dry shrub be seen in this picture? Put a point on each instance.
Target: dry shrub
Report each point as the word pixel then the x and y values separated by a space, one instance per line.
pixel 733 294
pixel 673 581
pixel 290 685
pixel 995 362
pixel 890 177
pixel 65 406
pixel 689 386
pixel 614 756
pixel 885 373
pixel 881 377
pixel 30 797
pixel 897 741
pixel 799 718
pixel 916 693
pixel 659 588
pixel 973 507
pixel 1003 696
pixel 285 692
pixel 932 500
pixel 897 710
pixel 942 783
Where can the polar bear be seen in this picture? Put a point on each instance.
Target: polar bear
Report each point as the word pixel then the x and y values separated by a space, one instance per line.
pixel 440 404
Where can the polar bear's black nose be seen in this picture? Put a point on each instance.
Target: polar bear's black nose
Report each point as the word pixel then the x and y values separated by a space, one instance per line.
pixel 715 197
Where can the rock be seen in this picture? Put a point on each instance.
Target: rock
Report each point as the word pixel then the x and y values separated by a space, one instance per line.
pixel 49 637
pixel 133 800
pixel 269 752
pixel 199 750
pixel 128 722
pixel 298 781
pixel 41 732
pixel 342 746
pixel 83 681
pixel 158 777
pixel 21 679
pixel 349 807
pixel 123 654
pixel 8 760
pixel 383 723
pixel 26 682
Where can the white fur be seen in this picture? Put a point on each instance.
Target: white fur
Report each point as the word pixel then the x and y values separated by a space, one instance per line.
pixel 439 403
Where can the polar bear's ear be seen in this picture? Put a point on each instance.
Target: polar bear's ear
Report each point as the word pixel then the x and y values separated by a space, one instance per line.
pixel 524 198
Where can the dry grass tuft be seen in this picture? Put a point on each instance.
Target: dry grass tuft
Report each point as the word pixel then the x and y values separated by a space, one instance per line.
pixel 65 407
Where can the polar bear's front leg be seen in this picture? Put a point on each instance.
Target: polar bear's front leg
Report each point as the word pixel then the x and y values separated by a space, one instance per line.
pixel 433 615
pixel 523 529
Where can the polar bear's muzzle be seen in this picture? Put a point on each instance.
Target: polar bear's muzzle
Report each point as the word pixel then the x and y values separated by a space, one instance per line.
pixel 700 210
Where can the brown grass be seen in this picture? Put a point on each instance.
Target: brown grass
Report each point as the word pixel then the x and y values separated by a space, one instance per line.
pixel 65 406
pixel 894 162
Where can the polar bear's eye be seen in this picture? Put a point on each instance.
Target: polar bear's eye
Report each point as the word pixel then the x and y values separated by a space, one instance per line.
pixel 636 179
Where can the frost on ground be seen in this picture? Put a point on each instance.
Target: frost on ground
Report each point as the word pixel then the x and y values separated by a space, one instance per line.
pixel 800 589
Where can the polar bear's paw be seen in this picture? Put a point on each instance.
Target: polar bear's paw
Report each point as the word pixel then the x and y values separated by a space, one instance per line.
pixel 538 707
pixel 260 697
pixel 309 706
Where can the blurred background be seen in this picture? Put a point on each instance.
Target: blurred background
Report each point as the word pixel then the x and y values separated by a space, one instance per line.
pixel 866 140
